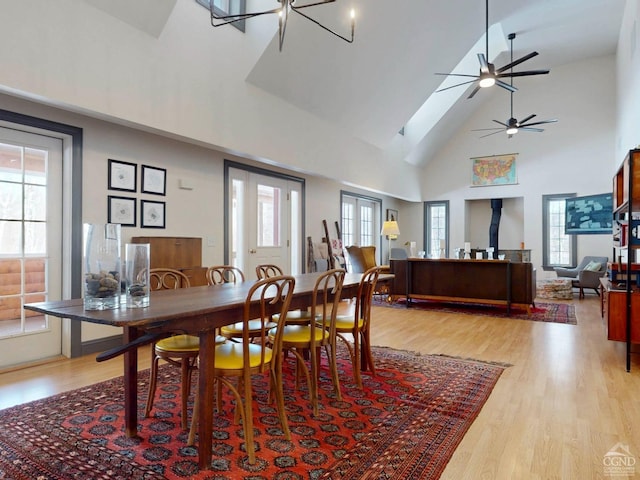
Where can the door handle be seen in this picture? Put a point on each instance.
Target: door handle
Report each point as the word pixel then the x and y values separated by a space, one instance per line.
pixel 253 250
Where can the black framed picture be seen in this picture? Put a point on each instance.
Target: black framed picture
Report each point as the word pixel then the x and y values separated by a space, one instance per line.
pixel 154 180
pixel 121 210
pixel 152 214
pixel 122 175
pixel 392 215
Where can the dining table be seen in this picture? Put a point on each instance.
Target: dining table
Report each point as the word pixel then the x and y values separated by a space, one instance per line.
pixel 197 311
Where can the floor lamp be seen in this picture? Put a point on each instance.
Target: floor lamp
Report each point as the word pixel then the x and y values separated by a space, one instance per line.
pixel 390 229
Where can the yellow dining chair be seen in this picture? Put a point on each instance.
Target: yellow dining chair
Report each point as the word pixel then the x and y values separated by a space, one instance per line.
pixel 179 350
pixel 358 325
pixel 246 359
pixel 306 341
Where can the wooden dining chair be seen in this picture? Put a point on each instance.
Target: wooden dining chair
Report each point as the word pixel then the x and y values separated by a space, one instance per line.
pixel 178 350
pixel 307 341
pixel 224 274
pixel 229 274
pixel 358 325
pixel 246 359
pixel 295 317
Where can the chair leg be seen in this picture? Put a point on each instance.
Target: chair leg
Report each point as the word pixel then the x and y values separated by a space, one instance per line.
pixel 185 373
pixel 153 377
pixel 367 356
pixel 333 366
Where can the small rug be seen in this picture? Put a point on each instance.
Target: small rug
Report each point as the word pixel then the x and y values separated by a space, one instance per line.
pixel 542 312
pixel 404 424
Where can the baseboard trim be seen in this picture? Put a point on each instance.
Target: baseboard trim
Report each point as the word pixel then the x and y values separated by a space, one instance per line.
pixel 100 345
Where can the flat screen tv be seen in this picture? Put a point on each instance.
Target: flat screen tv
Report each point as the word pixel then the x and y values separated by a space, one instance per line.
pixel 589 214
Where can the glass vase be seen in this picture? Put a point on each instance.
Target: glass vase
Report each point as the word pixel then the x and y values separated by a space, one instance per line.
pixel 136 274
pixel 101 266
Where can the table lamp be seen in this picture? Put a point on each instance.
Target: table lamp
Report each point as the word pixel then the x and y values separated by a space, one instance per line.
pixel 390 228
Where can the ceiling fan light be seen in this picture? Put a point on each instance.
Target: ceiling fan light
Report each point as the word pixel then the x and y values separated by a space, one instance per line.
pixel 512 130
pixel 487 81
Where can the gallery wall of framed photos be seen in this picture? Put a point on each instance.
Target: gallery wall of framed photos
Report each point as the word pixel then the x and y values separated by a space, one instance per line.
pixel 123 178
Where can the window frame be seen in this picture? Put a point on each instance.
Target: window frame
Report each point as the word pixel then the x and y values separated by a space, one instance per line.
pixel 242 9
pixel 377 220
pixel 427 225
pixel 546 241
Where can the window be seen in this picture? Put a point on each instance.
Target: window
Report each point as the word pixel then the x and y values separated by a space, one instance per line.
pixel 227 7
pixel 360 220
pixel 559 249
pixel 436 230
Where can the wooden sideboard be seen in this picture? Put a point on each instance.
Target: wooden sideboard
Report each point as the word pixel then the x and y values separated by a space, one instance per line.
pixel 498 282
pixel 180 253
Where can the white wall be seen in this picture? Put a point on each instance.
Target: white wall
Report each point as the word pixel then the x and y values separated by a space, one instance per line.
pixel 627 81
pixel 574 155
pixel 197 212
pixel 72 55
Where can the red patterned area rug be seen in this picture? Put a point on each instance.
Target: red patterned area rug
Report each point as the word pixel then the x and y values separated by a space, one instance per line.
pixel 542 312
pixel 404 424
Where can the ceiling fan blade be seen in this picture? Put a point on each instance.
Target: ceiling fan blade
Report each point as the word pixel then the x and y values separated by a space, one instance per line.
pixel 454 86
pixel 541 122
pixel 489 134
pixel 457 75
pixel 517 62
pixel 484 66
pixel 531 129
pixel 523 74
pixel 474 91
pixel 501 123
pixel 525 120
pixel 506 86
pixel 485 129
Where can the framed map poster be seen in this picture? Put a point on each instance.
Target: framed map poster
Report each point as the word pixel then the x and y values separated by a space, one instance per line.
pixel 494 170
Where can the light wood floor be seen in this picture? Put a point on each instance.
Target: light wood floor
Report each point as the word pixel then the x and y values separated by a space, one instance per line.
pixel 565 402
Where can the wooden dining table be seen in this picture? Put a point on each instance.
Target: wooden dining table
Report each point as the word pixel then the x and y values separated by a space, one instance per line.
pixel 197 311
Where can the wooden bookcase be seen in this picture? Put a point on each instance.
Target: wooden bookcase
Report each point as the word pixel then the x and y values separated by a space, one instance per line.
pixel 626 243
pixel 179 253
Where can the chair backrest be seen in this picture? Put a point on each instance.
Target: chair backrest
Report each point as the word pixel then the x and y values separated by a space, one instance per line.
pixel 266 297
pixel 366 289
pixel 326 299
pixel 167 279
pixel 268 270
pixel 224 274
pixel 362 258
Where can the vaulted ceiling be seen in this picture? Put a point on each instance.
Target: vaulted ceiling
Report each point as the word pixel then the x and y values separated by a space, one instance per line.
pixel 377 85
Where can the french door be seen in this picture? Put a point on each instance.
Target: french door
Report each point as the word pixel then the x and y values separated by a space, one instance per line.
pixel 30 244
pixel 265 215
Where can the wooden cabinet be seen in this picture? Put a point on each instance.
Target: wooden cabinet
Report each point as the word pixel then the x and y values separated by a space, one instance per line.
pixel 179 253
pixel 623 305
pixel 614 310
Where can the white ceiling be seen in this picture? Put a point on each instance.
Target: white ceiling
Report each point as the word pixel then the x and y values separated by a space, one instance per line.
pixel 373 87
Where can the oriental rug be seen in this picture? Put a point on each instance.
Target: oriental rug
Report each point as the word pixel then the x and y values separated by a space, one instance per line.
pixel 404 424
pixel 542 312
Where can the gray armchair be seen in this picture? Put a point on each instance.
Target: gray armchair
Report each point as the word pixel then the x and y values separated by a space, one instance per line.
pixel 582 278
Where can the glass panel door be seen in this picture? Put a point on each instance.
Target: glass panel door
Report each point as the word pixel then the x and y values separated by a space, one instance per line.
pixel 30 244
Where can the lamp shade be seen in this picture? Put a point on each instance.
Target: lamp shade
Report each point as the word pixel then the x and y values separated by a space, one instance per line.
pixel 390 228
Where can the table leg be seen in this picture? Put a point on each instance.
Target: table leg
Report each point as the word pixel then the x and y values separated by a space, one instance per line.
pixel 206 397
pixel 131 384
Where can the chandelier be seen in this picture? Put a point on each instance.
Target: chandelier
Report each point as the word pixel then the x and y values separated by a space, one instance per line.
pixel 283 14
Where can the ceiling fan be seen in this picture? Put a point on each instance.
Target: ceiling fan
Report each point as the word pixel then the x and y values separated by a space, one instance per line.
pixel 513 126
pixel 490 75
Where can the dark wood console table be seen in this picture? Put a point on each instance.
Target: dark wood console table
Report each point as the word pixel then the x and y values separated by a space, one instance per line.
pixel 494 282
